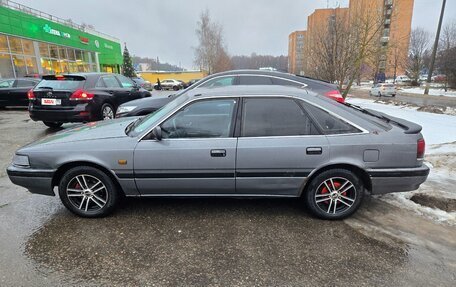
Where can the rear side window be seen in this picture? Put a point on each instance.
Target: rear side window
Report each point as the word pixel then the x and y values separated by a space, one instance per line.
pixel 283 82
pixel 275 117
pixel 6 84
pixel 61 83
pixel 219 82
pixel 25 83
pixel 330 124
pixel 255 80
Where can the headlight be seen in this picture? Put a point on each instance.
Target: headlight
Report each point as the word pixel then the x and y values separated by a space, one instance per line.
pixel 21 160
pixel 125 109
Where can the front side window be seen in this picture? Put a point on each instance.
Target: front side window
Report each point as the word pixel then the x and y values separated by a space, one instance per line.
pixel 202 119
pixel 125 82
pixel 330 124
pixel 219 82
pixel 275 117
pixel 111 82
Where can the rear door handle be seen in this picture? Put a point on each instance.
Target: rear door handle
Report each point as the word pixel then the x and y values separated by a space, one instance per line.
pixel 314 150
pixel 218 153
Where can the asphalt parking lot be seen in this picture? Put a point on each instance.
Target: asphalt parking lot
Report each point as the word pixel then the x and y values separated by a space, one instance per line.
pixel 210 242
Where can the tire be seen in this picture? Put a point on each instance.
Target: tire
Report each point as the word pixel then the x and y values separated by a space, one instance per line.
pixel 379 94
pixel 53 125
pixel 176 88
pixel 345 202
pixel 393 95
pixel 76 191
pixel 107 112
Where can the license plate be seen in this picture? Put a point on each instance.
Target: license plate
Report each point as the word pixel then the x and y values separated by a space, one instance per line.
pixel 51 102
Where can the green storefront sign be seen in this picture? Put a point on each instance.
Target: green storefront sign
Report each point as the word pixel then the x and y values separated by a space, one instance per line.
pixel 21 24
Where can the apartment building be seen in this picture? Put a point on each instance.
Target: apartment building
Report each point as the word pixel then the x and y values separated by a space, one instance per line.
pixel 296 55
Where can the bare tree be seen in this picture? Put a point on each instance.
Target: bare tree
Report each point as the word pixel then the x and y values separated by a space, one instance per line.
pixel 210 54
pixel 446 61
pixel 418 50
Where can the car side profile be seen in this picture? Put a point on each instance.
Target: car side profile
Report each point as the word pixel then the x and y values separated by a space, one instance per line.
pixel 238 78
pixel 383 89
pixel 13 92
pixel 169 84
pixel 257 141
pixel 81 97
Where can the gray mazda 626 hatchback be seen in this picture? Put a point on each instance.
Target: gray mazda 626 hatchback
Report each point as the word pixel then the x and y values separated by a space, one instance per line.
pixel 240 141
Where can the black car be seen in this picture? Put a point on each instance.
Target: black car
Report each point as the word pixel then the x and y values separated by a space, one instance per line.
pixel 237 77
pixel 81 97
pixel 13 92
pixel 143 83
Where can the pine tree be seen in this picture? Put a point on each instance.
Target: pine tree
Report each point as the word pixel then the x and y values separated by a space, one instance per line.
pixel 127 66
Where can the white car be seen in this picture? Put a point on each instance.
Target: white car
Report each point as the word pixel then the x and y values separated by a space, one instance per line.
pixel 403 79
pixel 171 84
pixel 383 89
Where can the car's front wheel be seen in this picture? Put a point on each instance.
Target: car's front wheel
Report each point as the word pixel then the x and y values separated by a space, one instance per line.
pixel 334 194
pixel 88 192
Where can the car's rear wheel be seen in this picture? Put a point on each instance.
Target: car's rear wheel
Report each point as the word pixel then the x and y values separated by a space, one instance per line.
pixel 53 125
pixel 334 194
pixel 88 192
pixel 176 88
pixel 107 112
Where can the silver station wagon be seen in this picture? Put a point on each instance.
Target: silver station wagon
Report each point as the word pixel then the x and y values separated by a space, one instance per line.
pixel 242 141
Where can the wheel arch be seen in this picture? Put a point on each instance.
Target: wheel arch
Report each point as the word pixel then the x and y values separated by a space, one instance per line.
pixel 69 165
pixel 361 173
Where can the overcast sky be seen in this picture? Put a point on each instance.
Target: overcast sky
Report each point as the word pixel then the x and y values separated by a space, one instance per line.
pixel 166 29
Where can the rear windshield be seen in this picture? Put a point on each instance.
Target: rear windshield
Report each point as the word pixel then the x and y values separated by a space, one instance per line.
pixel 61 83
pixel 379 122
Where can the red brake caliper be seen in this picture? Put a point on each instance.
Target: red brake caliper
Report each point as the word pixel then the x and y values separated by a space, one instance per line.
pixel 325 190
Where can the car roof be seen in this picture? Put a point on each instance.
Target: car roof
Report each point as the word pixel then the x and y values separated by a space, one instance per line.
pixel 250 90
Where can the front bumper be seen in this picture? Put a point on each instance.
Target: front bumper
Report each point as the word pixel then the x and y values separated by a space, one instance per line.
pixel 397 179
pixel 36 181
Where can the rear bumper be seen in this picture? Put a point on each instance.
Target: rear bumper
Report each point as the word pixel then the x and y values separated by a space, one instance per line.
pixel 36 181
pixel 397 179
pixel 79 113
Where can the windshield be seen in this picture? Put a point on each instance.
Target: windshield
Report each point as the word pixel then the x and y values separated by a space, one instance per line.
pixel 61 83
pixel 147 122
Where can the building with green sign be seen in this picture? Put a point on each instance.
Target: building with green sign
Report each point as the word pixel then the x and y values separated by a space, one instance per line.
pixel 33 42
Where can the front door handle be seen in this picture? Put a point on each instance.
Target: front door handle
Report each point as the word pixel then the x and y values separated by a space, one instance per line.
pixel 218 153
pixel 314 150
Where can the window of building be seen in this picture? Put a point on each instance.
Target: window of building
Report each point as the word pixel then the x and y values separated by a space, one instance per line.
pixel 78 55
pixel 203 119
pixel 32 67
pixel 3 44
pixel 19 66
pixel 275 117
pixel 54 51
pixel 70 54
pixel 6 67
pixel 44 50
pixel 15 45
pixel 27 45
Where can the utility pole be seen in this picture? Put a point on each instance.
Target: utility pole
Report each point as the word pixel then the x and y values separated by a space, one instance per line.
pixel 434 51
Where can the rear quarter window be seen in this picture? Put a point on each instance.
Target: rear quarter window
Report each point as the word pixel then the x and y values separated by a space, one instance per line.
pixel 329 123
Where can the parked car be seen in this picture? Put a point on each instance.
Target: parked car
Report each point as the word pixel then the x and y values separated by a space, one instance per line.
pixel 238 77
pixel 402 79
pixel 13 92
pixel 439 78
pixel 169 84
pixel 143 83
pixel 257 141
pixel 383 89
pixel 80 97
pixel 191 82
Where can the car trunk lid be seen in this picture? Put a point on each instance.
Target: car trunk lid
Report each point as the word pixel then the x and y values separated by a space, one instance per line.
pixel 54 92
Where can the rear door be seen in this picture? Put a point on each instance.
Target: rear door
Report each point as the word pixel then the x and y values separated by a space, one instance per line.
pixel 278 147
pixel 112 86
pixel 18 94
pixel 196 154
pixel 130 88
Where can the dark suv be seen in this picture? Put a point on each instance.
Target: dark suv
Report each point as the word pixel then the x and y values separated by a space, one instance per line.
pixel 80 97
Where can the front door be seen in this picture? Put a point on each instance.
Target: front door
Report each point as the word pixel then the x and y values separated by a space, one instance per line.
pixel 279 145
pixel 196 154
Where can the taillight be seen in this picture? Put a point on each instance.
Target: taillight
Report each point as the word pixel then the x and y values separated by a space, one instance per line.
pixel 421 146
pixel 335 95
pixel 81 95
pixel 31 95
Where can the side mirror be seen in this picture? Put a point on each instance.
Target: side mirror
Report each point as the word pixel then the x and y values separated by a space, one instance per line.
pixel 157 132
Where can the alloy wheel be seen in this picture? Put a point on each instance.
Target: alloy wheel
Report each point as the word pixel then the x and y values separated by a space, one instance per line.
pixel 87 193
pixel 335 195
pixel 108 113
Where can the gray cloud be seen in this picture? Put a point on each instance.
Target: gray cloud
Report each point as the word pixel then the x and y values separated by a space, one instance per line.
pixel 166 29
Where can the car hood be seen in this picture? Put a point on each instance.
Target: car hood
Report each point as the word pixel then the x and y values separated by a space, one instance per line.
pixel 87 132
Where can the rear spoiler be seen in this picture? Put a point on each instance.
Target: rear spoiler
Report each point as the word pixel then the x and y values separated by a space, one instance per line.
pixel 408 127
pixel 64 77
